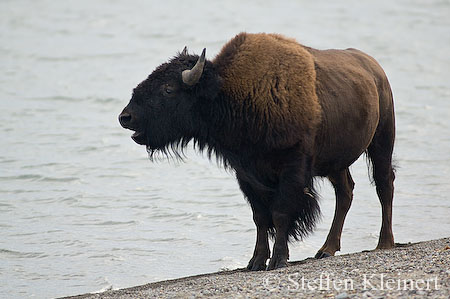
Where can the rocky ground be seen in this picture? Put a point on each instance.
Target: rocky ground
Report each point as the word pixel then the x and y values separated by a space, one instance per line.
pixel 410 271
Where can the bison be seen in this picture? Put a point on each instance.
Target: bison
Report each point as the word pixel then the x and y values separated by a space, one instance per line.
pixel 278 114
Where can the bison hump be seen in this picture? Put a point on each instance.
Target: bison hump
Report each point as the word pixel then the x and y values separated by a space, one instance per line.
pixel 271 79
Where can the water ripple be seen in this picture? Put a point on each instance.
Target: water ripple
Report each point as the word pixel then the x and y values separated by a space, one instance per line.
pixel 22 255
pixel 27 177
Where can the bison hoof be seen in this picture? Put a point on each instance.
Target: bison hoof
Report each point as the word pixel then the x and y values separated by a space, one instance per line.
pixel 321 255
pixel 257 264
pixel 385 244
pixel 276 263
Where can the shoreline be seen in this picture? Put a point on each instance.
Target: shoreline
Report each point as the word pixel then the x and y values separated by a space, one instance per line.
pixel 410 270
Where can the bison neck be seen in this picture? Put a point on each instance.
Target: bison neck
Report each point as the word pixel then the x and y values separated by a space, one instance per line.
pixel 240 140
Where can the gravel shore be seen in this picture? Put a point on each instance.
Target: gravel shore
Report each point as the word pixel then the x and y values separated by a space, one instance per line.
pixel 409 271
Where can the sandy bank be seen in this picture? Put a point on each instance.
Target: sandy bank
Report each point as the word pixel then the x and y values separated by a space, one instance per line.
pixel 416 270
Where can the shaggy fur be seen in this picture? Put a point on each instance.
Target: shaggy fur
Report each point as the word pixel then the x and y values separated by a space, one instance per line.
pixel 278 114
pixel 273 78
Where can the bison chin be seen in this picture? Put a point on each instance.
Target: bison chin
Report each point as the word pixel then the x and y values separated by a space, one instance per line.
pixel 170 150
pixel 139 138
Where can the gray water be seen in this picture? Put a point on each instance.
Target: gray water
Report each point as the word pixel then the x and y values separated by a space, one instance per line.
pixel 82 209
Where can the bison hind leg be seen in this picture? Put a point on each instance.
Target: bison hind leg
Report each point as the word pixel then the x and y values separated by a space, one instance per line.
pixel 380 153
pixel 343 187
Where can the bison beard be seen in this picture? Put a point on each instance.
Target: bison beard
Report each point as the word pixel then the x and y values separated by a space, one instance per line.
pixel 278 114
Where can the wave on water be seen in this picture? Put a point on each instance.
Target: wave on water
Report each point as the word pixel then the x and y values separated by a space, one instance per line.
pixel 6 253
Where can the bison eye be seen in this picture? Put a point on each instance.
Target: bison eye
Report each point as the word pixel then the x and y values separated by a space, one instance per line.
pixel 168 89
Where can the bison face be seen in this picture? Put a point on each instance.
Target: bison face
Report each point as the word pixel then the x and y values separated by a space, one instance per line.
pixel 162 108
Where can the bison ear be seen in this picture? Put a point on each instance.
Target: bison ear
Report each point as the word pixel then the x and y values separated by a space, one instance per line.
pixel 191 77
pixel 184 52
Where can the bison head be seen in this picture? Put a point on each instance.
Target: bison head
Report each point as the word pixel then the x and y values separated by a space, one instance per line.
pixel 164 110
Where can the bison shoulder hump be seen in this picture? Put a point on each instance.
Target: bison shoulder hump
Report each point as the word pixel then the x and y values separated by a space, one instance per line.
pixel 273 74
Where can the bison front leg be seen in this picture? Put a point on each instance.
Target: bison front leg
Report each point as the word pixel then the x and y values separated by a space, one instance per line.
pixel 294 210
pixel 280 247
pixel 262 252
pixel 263 221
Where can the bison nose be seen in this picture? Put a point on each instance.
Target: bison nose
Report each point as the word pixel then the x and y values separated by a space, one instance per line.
pixel 125 119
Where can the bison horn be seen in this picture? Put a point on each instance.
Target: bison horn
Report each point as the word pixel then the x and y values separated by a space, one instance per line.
pixel 184 52
pixel 191 77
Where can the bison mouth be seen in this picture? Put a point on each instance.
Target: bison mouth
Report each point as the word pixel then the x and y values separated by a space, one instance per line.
pixel 139 137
